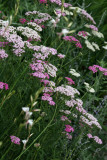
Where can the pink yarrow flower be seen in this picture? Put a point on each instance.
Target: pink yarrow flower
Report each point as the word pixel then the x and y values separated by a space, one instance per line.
pixel 82 33
pixel 15 140
pixel 2 85
pixel 43 1
pixel 64 118
pixel 69 128
pixel 47 97
pixel 71 38
pixel 70 81
pixel 95 69
pixel 22 20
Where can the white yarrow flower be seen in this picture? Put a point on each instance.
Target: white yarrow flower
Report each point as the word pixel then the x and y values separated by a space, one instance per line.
pixel 95 45
pixel 73 72
pixel 88 88
pixel 89 45
pixel 68 13
pixel 105 47
pixel 91 90
pixel 5 23
pixel 98 34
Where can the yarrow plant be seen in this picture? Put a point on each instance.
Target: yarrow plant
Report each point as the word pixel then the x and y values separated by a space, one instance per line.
pixel 47 58
pixel 95 67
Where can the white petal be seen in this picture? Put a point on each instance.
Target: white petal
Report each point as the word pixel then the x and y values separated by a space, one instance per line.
pixel 25 109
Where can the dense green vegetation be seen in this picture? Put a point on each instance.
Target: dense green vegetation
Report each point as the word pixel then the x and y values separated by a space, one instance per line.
pixel 53 129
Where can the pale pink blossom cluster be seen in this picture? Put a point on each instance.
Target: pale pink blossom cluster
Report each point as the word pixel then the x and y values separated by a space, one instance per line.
pixel 66 5
pixel 43 70
pixel 68 136
pixel 58 12
pixel 88 16
pixel 48 90
pixel 57 2
pixel 97 139
pixel 64 118
pixel 95 69
pixel 51 69
pixel 87 118
pixel 77 103
pixel 38 66
pixel 93 27
pixel 67 90
pixel 3 54
pixel 47 82
pixel 42 52
pixel 16 40
pixel 29 32
pixel 2 85
pixel 71 38
pixel 65 111
pixel 38 13
pixel 40 70
pixel 39 75
pixel 47 97
pixel 89 121
pixel 60 3
pixel 36 26
pixel 61 56
pixel 73 102
pixel 43 17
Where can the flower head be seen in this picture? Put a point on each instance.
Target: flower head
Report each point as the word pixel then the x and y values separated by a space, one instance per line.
pixel 73 72
pixel 15 140
pixel 69 128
